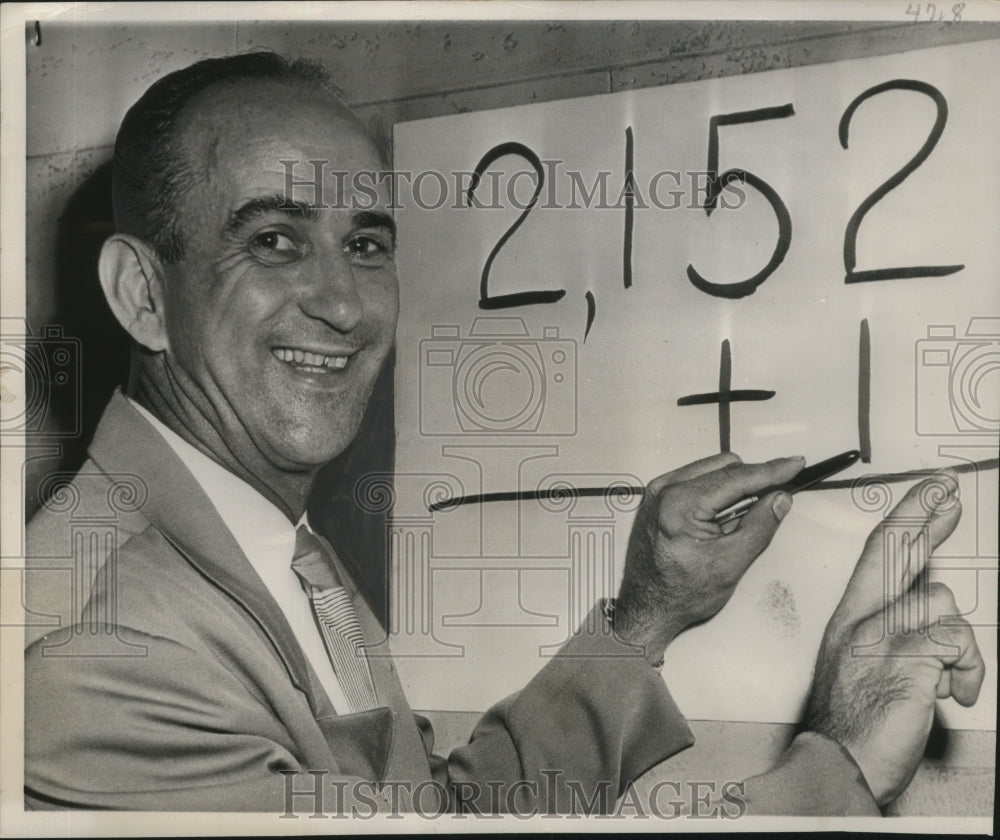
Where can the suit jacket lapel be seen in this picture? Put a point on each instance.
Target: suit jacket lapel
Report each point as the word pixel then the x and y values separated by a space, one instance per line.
pixel 371 744
pixel 183 513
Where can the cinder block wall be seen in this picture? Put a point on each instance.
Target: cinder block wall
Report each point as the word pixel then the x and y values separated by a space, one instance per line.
pixel 82 77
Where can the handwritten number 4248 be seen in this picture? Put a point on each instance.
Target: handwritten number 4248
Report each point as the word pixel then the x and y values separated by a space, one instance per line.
pixel 739 287
pixel 932 13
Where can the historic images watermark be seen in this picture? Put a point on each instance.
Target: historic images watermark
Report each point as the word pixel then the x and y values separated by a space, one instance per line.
pixel 39 373
pixel 499 397
pixel 41 385
pixel 552 187
pixel 957 375
pixel 538 394
pixel 313 795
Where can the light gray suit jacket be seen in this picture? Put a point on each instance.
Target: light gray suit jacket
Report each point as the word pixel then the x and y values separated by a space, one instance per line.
pixel 175 683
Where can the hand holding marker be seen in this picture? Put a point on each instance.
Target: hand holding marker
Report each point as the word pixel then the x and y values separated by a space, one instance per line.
pixel 808 477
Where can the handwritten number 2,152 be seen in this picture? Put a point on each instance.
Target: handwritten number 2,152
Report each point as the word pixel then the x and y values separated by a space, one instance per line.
pixel 717 182
pixel 851 234
pixel 487 301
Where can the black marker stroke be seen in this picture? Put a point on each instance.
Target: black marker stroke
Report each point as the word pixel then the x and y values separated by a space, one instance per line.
pixel 725 396
pixel 486 301
pixel 629 207
pixel 591 312
pixel 865 393
pixel 839 484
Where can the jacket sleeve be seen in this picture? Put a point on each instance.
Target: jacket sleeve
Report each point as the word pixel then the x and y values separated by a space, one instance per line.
pixel 596 718
pixel 592 720
pixel 175 730
pixel 815 776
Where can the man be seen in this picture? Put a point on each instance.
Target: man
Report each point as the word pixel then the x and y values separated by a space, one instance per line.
pixel 262 319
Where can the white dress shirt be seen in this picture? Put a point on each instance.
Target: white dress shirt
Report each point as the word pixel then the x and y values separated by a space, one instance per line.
pixel 267 538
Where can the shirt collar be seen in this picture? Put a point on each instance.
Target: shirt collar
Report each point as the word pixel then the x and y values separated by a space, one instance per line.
pixel 263 532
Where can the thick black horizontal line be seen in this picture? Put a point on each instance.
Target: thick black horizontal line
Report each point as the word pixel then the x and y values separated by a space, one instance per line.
pixel 580 492
pixel 744 395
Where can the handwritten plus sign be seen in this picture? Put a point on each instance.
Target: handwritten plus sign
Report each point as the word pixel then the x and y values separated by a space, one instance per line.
pixel 725 396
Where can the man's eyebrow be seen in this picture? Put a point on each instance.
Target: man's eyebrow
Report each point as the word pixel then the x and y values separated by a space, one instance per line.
pixel 262 206
pixel 375 219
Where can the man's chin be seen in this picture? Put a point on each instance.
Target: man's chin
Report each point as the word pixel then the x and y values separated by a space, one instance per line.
pixel 312 453
pixel 305 435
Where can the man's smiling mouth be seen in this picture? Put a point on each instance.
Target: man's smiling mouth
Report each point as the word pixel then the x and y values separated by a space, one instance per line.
pixel 311 361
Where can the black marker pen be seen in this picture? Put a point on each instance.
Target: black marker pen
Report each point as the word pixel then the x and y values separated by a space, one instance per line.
pixel 806 478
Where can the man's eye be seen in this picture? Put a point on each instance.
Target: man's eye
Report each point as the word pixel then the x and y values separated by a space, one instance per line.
pixel 275 248
pixel 368 250
pixel 272 240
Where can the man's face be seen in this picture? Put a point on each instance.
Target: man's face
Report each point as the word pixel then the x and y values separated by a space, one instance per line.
pixel 279 319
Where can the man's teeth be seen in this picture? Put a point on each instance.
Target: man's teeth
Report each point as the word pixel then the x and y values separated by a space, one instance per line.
pixel 301 357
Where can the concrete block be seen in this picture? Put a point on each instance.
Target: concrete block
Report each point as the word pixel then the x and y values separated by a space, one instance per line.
pixel 83 77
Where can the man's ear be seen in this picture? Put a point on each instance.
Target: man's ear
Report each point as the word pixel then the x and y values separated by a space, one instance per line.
pixel 132 279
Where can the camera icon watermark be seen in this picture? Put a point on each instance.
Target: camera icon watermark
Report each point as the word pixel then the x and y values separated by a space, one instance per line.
pixel 38 372
pixel 958 379
pixel 497 380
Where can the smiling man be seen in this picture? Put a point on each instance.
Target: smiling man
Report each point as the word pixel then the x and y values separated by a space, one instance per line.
pixel 266 321
pixel 224 659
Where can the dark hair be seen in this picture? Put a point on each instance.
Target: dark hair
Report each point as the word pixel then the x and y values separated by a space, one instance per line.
pixel 150 172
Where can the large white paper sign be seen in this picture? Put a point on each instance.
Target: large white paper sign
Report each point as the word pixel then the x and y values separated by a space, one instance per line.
pixel 596 291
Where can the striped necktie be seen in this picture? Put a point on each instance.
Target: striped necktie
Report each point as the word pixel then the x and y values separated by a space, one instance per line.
pixel 335 616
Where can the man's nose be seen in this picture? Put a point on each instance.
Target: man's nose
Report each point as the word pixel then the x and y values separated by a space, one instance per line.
pixel 333 296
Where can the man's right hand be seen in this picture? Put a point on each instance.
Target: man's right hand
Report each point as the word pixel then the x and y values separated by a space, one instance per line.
pixel 895 644
pixel 681 566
